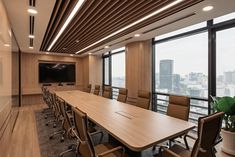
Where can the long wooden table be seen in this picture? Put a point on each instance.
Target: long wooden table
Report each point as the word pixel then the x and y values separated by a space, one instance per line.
pixel 135 127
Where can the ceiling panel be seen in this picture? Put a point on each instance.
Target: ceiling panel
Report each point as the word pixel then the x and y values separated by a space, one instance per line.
pixel 98 19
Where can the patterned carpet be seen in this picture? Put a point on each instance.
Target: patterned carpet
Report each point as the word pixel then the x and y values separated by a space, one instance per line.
pixel 53 147
pixel 50 147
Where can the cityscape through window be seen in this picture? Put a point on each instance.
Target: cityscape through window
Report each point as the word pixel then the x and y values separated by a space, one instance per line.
pixel 225 68
pixel 118 70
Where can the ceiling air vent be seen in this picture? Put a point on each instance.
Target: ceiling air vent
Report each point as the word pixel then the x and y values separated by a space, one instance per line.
pixel 171 22
pixel 32 3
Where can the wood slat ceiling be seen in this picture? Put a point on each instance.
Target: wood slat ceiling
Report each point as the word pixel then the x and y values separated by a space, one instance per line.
pixel 97 19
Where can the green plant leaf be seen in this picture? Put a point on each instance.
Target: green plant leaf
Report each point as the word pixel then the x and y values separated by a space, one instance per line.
pixel 232 118
pixel 226 104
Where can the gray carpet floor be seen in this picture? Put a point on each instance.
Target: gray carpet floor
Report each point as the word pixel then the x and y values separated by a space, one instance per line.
pixel 53 147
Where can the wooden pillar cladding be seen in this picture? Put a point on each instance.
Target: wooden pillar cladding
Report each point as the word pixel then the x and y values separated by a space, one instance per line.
pixel 85 71
pixel 92 70
pixel 138 67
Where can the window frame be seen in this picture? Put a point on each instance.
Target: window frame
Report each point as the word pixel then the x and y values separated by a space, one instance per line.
pixel 109 55
pixel 211 28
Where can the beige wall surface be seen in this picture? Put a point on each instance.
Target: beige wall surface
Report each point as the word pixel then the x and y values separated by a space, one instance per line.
pixel 138 67
pixel 95 70
pixel 5 81
pixel 29 70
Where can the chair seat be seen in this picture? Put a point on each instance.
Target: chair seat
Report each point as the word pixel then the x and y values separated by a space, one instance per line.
pixel 101 148
pixel 181 151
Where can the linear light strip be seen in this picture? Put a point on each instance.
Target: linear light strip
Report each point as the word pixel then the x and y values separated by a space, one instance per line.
pixel 134 23
pixel 75 9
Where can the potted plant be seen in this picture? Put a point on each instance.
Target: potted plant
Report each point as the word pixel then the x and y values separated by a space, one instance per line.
pixel 226 104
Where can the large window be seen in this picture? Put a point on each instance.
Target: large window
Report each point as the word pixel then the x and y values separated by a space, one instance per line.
pixel 118 70
pixel 115 68
pixel 182 66
pixel 106 71
pixel 225 68
pixel 196 61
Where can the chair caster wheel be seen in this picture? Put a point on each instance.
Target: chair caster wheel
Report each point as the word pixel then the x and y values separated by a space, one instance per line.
pixel 62 139
pixel 46 124
pixel 54 125
pixel 51 137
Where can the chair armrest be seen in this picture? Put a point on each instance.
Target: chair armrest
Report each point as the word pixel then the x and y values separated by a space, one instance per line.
pixel 168 151
pixel 76 135
pixel 111 151
pixel 96 132
pixel 189 136
pixel 212 146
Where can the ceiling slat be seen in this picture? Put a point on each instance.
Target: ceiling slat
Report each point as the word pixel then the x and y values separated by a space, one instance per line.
pixel 98 19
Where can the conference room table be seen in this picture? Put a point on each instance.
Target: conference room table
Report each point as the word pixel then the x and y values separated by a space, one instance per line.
pixel 136 128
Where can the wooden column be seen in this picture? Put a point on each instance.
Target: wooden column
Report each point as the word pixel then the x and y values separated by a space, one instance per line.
pixel 138 67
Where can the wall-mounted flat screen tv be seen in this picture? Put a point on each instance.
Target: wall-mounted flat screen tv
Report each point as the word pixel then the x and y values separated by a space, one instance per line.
pixel 56 72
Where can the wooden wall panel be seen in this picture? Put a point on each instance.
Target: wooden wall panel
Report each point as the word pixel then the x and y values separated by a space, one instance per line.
pixel 31 88
pixel 95 70
pixel 29 69
pixel 85 65
pixel 92 70
pixel 138 67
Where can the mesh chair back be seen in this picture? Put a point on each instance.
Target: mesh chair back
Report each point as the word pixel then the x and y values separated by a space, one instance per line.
pixel 97 89
pixel 122 95
pixel 209 128
pixel 179 107
pixel 107 92
pixel 85 147
pixel 66 123
pixel 88 89
pixel 143 99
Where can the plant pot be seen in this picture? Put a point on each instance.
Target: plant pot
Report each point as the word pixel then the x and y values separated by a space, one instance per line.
pixel 228 143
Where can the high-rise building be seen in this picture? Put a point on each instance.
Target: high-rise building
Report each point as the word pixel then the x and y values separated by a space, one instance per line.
pixel 166 74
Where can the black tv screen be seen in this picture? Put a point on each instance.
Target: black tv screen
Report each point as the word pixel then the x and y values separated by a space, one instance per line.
pixel 56 72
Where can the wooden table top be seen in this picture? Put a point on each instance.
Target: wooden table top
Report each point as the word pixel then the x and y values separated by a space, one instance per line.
pixel 135 127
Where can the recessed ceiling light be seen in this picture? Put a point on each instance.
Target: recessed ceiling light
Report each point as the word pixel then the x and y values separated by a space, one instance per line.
pixel 9 31
pixel 75 9
pixel 30 47
pixel 71 55
pixel 32 11
pixel 137 35
pixel 208 8
pixel 31 36
pixel 7 45
pixel 90 53
pixel 133 24
pixel 106 47
pixel 77 41
pixel 47 53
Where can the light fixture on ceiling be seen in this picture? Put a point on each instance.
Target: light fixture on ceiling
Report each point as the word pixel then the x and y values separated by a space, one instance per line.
pixel 133 24
pixel 137 35
pixel 47 53
pixel 77 41
pixel 31 36
pixel 30 47
pixel 72 14
pixel 32 11
pixel 9 31
pixel 208 8
pixel 71 55
pixel 90 53
pixel 7 45
pixel 106 47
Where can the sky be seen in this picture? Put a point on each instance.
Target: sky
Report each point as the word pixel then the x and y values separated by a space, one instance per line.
pixel 190 54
